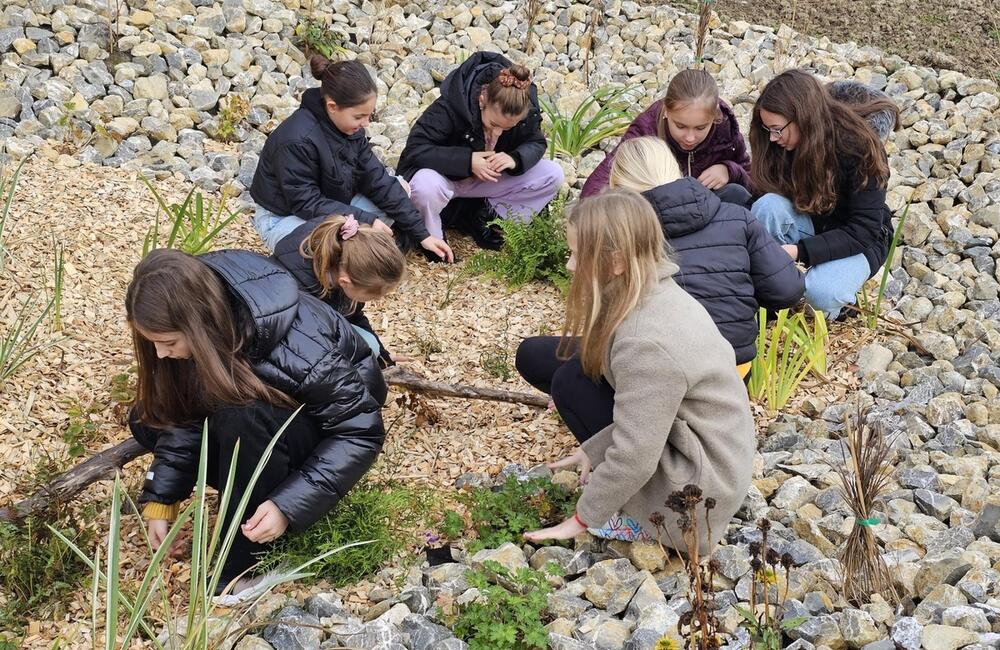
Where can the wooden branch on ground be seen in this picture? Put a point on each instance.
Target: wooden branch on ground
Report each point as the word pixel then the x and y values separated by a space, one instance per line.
pixel 104 465
pixel 397 376
pixel 101 466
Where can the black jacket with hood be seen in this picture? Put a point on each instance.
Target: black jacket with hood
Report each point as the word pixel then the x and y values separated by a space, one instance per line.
pixel 309 168
pixel 308 351
pixel 286 253
pixel 727 261
pixel 451 128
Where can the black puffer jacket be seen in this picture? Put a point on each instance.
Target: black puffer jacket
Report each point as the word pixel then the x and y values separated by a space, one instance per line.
pixel 286 253
pixel 308 351
pixel 451 128
pixel 311 169
pixel 860 222
pixel 727 260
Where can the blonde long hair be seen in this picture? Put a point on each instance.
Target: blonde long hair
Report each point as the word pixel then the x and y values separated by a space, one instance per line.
pixel 641 164
pixel 615 228
pixel 370 258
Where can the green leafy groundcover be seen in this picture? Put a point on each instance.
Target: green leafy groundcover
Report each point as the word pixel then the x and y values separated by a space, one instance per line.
pixel 386 513
pixel 535 250
pixel 505 619
pixel 505 514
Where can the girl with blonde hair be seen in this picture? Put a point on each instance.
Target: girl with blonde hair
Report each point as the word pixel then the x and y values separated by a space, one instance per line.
pixel 643 380
pixel 728 261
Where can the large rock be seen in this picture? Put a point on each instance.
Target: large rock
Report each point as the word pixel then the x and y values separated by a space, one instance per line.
pixel 609 579
pixel 153 87
pixel 946 637
pixel 295 629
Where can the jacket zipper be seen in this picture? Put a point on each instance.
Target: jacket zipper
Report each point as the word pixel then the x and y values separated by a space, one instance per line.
pixel 690 156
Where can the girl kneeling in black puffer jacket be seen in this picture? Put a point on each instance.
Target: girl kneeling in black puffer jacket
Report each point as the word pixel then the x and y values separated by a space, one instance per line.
pixel 229 337
pixel 727 260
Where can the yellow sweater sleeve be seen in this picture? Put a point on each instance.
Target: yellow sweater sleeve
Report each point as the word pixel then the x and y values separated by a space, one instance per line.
pixel 166 511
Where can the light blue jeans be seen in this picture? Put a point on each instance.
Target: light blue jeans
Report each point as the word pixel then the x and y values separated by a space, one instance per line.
pixel 272 228
pixel 829 286
pixel 368 338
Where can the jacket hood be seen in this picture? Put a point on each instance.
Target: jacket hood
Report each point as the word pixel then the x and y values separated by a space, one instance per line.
pixel 269 293
pixel 312 101
pixel 683 207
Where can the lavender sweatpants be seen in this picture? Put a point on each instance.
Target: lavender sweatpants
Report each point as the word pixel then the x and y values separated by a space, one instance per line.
pixel 512 197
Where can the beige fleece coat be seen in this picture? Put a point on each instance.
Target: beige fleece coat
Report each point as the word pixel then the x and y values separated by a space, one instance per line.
pixel 681 416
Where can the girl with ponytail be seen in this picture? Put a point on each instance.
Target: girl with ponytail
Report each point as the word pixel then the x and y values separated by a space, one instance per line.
pixel 477 151
pixel 345 264
pixel 318 162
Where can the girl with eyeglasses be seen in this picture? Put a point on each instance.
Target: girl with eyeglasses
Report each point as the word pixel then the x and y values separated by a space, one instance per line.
pixel 822 170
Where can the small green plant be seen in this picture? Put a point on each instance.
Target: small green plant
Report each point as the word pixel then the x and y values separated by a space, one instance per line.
pixel 502 516
pixel 452 525
pixel 575 134
pixel 37 571
pixel 233 110
pixel 384 513
pixel 814 339
pixel 502 619
pixel 872 309
pixel 532 251
pixel 785 356
pixel 58 270
pixel 8 184
pixel 82 429
pixel 17 345
pixel 315 37
pixel 762 619
pixel 127 614
pixel 194 223
pixel 496 362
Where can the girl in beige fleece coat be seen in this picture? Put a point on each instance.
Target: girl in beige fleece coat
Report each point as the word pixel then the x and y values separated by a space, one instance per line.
pixel 643 378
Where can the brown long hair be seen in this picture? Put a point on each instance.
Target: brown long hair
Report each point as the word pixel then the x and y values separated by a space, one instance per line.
pixel 687 87
pixel 616 227
pixel 828 129
pixel 510 91
pixel 172 291
pixel 370 258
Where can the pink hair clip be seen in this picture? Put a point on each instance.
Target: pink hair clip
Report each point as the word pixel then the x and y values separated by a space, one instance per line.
pixel 350 228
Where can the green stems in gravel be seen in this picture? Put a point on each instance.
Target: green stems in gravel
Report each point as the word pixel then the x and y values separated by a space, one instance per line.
pixel 574 134
pixel 8 184
pixel 209 551
pixel 58 268
pixel 17 345
pixel 785 356
pixel 872 310
pixel 194 223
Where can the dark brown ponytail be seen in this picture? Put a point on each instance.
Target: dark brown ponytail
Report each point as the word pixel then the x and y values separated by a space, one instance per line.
pixel 345 82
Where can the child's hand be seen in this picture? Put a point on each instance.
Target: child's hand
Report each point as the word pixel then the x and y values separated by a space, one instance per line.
pixel 499 161
pixel 576 458
pixel 380 226
pixel 566 530
pixel 157 530
pixel 439 247
pixel 266 525
pixel 792 250
pixel 714 177
pixel 481 167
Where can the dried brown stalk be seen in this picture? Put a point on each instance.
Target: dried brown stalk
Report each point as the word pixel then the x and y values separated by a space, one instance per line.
pixel 531 10
pixel 596 10
pixel 704 17
pixel 865 475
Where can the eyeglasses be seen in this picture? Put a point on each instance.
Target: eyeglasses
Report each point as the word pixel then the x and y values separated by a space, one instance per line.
pixel 775 133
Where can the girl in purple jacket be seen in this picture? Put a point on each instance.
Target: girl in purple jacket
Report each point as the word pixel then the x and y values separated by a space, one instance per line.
pixel 702 133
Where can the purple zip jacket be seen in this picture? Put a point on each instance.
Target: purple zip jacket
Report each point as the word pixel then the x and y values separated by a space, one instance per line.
pixel 724 144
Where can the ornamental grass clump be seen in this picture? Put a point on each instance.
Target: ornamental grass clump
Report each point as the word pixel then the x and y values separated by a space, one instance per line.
pixel 865 475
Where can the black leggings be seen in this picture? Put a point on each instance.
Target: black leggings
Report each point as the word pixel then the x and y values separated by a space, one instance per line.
pixel 586 406
pixel 253 425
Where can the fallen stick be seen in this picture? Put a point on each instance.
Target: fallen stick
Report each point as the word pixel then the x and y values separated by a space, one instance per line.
pixel 104 465
pixel 397 376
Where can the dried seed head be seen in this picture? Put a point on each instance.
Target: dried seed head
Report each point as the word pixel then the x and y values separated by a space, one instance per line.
pixel 786 560
pixel 755 548
pixel 656 519
pixel 773 557
pixel 764 525
pixel 714 566
pixel 755 563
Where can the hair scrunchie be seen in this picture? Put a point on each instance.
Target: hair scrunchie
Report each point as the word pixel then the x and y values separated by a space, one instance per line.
pixel 350 228
pixel 507 79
